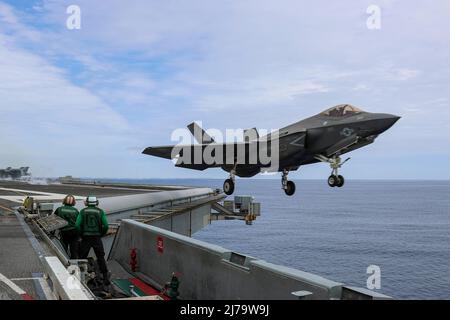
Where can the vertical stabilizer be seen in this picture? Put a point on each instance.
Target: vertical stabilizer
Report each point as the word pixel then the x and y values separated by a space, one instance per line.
pixel 199 134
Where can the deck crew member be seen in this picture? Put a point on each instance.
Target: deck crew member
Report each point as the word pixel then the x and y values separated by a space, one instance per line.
pixel 70 238
pixel 92 225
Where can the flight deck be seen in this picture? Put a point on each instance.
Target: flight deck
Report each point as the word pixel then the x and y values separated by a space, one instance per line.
pixel 149 249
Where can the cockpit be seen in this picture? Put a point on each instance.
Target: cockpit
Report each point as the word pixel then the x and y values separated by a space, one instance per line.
pixel 341 111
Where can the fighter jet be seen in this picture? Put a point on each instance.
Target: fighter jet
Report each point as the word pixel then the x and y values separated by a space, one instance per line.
pixel 320 138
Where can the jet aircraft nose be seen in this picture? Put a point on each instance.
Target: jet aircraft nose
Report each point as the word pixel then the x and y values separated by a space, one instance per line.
pixel 390 120
pixel 383 121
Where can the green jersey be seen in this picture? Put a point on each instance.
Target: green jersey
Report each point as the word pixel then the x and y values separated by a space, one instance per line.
pixel 92 222
pixel 69 214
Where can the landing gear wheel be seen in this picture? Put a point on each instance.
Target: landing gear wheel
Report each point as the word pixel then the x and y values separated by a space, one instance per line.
pixel 333 180
pixel 228 186
pixel 341 181
pixel 290 188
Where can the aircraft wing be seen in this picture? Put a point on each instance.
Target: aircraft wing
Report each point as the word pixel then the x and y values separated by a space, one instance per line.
pixel 209 154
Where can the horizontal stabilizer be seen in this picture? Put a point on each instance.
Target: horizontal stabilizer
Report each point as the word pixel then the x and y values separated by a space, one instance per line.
pixel 199 134
pixel 162 152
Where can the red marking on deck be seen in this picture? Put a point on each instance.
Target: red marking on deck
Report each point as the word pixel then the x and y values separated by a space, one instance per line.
pixel 160 244
pixel 26 296
pixel 145 288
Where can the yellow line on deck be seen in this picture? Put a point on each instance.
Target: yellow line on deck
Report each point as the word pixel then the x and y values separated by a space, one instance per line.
pixel 6 208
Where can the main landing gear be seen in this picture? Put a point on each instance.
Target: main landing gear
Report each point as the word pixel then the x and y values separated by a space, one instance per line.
pixel 228 185
pixel 287 185
pixel 335 179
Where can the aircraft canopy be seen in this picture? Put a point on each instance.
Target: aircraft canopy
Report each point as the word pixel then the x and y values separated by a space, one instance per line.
pixel 341 110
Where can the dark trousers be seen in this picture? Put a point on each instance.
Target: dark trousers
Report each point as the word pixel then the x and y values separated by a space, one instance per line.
pixel 94 242
pixel 71 243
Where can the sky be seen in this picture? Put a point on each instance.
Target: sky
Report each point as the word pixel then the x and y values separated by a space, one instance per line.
pixel 86 102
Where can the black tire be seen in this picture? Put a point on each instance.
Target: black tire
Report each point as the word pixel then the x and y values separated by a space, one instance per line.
pixel 290 188
pixel 228 187
pixel 333 181
pixel 341 181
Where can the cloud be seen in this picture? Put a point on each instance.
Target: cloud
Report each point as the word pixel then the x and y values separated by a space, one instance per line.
pixel 30 85
pixel 45 119
pixel 360 87
pixel 403 74
pixel 11 24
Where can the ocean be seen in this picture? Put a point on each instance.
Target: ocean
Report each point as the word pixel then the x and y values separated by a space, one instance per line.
pixel 401 226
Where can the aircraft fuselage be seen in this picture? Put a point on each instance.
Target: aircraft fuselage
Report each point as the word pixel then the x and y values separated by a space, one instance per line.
pixel 320 138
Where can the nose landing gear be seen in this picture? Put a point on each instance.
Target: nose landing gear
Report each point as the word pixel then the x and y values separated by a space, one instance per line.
pixel 287 185
pixel 335 179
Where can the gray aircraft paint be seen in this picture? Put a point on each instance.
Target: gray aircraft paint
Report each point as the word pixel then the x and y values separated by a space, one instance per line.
pixel 333 132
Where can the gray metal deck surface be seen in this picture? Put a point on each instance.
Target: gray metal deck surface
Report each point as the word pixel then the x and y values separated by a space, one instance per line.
pixel 19 260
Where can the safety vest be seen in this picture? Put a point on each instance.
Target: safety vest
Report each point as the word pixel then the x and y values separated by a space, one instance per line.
pixel 69 214
pixel 91 221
